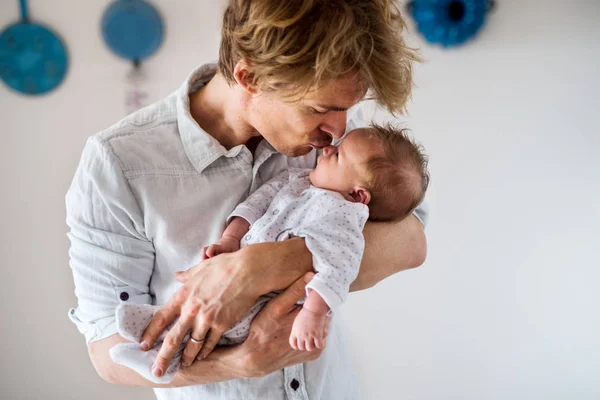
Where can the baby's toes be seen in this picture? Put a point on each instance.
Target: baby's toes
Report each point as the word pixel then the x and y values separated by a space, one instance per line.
pixel 310 344
pixel 306 342
pixel 320 343
pixel 294 342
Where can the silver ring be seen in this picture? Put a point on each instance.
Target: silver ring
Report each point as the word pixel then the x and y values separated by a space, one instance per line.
pixel 196 340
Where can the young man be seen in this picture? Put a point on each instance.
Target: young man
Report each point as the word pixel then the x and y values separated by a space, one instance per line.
pixel 151 191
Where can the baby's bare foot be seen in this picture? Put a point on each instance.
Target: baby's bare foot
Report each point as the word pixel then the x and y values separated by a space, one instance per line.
pixel 309 331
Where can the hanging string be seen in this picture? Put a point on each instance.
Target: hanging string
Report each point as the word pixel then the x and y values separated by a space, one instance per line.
pixel 135 98
pixel 24 11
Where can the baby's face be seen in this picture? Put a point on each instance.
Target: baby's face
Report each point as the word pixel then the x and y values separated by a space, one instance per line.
pixel 344 168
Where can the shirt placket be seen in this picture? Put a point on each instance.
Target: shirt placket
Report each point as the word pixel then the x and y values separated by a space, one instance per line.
pixel 262 154
pixel 295 387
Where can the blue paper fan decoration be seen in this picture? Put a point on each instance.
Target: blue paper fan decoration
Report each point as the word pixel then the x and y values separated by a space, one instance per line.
pixel 133 29
pixel 449 22
pixel 33 58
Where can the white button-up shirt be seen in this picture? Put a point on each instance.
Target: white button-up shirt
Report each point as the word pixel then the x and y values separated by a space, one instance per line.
pixel 148 194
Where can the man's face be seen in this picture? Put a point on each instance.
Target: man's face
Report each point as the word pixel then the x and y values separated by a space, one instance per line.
pixel 294 129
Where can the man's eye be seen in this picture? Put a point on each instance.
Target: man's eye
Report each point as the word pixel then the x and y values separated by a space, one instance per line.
pixel 315 111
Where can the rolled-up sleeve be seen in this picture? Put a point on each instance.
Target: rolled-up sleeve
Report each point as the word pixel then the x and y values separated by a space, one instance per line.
pixel 110 257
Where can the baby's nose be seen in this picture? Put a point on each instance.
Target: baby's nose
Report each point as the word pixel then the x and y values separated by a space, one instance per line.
pixel 327 151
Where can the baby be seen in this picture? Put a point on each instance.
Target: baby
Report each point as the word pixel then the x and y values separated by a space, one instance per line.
pixel 376 173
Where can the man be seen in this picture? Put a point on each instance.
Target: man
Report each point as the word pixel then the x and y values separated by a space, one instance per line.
pixel 155 188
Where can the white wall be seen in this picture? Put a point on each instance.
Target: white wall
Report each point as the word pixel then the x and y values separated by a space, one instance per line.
pixel 504 308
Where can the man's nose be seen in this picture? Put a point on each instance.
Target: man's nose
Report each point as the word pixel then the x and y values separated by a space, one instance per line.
pixel 335 125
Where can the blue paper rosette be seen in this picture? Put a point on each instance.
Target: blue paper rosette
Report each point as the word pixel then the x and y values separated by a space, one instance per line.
pixel 449 22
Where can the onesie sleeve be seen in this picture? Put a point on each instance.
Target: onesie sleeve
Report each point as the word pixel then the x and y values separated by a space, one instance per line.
pixel 333 234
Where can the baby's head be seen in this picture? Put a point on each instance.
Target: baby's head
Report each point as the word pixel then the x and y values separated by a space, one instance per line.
pixel 377 166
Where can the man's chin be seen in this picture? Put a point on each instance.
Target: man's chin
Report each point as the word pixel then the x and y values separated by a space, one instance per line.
pixel 296 152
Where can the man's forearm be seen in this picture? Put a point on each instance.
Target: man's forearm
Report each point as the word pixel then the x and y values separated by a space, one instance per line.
pixel 221 365
pixel 282 262
pixel 390 247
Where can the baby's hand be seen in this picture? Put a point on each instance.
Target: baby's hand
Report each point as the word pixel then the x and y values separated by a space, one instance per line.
pixel 309 330
pixel 224 245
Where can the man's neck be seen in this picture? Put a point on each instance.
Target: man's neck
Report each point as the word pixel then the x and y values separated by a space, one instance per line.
pixel 220 111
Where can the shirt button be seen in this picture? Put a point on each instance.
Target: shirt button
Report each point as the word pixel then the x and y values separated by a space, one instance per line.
pixel 275 212
pixel 295 384
pixel 124 296
pixel 248 237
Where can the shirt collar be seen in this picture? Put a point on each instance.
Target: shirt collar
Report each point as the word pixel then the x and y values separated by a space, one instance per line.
pixel 201 148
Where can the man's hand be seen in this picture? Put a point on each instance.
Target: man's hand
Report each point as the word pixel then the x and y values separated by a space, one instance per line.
pixel 226 244
pixel 217 293
pixel 267 348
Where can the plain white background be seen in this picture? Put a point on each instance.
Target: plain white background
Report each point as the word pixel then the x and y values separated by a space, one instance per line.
pixel 505 306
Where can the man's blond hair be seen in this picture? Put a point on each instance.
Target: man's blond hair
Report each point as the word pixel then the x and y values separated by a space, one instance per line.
pixel 295 45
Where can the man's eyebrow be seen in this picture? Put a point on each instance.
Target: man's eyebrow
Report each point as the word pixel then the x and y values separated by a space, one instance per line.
pixel 332 108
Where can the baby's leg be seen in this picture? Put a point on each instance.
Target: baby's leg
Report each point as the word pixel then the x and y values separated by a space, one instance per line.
pixel 310 326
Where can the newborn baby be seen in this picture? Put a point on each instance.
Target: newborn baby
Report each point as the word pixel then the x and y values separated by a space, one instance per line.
pixel 376 173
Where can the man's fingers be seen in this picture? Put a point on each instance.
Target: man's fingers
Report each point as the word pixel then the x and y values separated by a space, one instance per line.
pixel 199 333
pixel 191 351
pixel 184 276
pixel 161 319
pixel 283 303
pixel 170 345
pixel 181 276
pixel 210 343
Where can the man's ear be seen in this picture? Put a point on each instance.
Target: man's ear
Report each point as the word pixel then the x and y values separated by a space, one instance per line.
pixel 361 195
pixel 243 76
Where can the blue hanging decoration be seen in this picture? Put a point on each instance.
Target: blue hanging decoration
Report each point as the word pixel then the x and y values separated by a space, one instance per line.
pixel 449 22
pixel 133 30
pixel 33 58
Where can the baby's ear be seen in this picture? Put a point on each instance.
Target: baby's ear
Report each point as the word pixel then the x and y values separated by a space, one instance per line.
pixel 361 195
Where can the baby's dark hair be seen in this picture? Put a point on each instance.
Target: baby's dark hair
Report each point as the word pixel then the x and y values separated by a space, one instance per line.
pixel 399 177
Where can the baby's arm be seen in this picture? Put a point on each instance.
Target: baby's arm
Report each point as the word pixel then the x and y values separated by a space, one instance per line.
pixel 310 325
pixel 230 240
